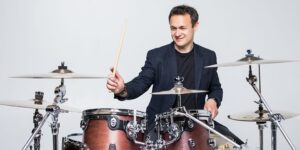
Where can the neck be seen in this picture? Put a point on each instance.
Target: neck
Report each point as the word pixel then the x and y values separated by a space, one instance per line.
pixel 184 49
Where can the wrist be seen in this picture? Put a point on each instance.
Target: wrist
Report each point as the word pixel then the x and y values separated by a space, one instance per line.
pixel 123 93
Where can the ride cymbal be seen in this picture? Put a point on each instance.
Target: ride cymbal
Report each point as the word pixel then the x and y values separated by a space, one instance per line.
pixel 249 59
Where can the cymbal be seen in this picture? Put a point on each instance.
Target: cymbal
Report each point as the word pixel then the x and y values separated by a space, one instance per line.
pixel 175 91
pixel 241 63
pixel 31 103
pixel 249 59
pixel 254 116
pixel 59 76
pixel 61 73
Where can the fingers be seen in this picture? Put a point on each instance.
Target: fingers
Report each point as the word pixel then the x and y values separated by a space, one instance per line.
pixel 212 108
pixel 115 83
pixel 214 112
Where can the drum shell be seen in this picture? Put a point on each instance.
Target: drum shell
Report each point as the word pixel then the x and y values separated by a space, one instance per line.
pixel 98 133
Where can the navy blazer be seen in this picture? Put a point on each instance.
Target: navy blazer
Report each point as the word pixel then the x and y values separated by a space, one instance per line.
pixel 160 70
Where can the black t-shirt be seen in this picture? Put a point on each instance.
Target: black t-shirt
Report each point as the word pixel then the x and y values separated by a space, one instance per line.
pixel 186 69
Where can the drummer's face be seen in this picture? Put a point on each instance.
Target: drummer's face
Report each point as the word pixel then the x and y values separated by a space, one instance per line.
pixel 182 31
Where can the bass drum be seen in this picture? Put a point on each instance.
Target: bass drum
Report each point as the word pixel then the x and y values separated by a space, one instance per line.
pixel 111 129
pixel 73 142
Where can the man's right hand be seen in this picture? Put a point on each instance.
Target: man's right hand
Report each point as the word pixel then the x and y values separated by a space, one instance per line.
pixel 115 83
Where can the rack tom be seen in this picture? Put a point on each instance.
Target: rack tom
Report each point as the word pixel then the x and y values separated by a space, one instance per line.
pixel 109 128
pixel 181 133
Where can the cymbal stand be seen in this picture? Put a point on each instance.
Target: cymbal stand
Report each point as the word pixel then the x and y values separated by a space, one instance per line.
pixel 178 88
pixel 186 114
pixel 37 118
pixel 275 118
pixel 54 111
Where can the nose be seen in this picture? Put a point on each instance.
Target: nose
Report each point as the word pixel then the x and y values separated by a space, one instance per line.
pixel 177 32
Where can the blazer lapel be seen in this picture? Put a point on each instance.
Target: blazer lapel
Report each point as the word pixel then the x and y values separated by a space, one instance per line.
pixel 198 65
pixel 170 67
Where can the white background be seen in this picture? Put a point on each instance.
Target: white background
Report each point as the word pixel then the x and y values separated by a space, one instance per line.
pixel 37 35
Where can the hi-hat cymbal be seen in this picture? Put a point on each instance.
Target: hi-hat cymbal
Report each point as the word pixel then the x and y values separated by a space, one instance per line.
pixel 32 104
pixel 254 116
pixel 250 59
pixel 175 91
pixel 61 73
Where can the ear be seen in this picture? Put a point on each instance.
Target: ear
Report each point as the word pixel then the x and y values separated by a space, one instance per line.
pixel 196 26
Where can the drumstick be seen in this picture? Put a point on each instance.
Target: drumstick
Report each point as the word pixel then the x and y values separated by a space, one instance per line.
pixel 120 47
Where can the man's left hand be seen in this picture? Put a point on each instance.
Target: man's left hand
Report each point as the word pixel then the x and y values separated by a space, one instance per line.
pixel 211 106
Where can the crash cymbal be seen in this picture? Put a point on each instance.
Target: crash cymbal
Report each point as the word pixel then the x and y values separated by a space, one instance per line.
pixel 254 116
pixel 61 73
pixel 250 59
pixel 33 103
pixel 175 91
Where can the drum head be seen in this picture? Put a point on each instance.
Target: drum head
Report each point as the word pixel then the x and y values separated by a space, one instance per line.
pixel 113 111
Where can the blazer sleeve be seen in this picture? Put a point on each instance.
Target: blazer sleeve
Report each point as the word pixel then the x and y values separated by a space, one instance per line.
pixel 140 84
pixel 215 88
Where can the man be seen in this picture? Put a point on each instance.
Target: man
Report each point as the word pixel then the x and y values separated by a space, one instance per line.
pixel 181 58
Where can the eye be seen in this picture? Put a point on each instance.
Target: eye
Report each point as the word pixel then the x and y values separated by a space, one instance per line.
pixel 173 28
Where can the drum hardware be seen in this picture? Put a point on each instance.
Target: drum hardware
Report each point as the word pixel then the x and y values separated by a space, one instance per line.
pixel 54 111
pixel 37 118
pixel 249 60
pixel 112 147
pixel 212 142
pixel 73 142
pixel 166 123
pixel 184 113
pixel 192 144
pixel 275 121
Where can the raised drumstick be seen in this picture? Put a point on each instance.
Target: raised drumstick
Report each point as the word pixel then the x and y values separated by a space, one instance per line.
pixel 120 47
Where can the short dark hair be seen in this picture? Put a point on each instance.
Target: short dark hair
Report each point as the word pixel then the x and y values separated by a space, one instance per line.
pixel 184 9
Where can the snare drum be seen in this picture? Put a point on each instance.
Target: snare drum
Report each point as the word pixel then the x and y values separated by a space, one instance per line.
pixel 109 128
pixel 73 142
pixel 182 133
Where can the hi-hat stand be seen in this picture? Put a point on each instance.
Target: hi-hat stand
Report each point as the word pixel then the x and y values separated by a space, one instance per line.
pixel 54 111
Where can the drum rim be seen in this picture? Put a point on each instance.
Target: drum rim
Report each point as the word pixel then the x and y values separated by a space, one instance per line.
pixel 113 111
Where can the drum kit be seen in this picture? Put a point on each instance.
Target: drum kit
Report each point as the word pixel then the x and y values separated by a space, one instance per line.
pixel 177 129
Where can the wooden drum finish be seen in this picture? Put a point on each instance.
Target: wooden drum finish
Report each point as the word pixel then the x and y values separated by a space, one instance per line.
pixel 106 129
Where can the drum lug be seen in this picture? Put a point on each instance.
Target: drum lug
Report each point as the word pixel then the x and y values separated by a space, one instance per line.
pixel 112 147
pixel 113 122
pixel 131 130
pixel 192 144
pixel 83 124
pixel 212 142
pixel 174 131
pixel 190 123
